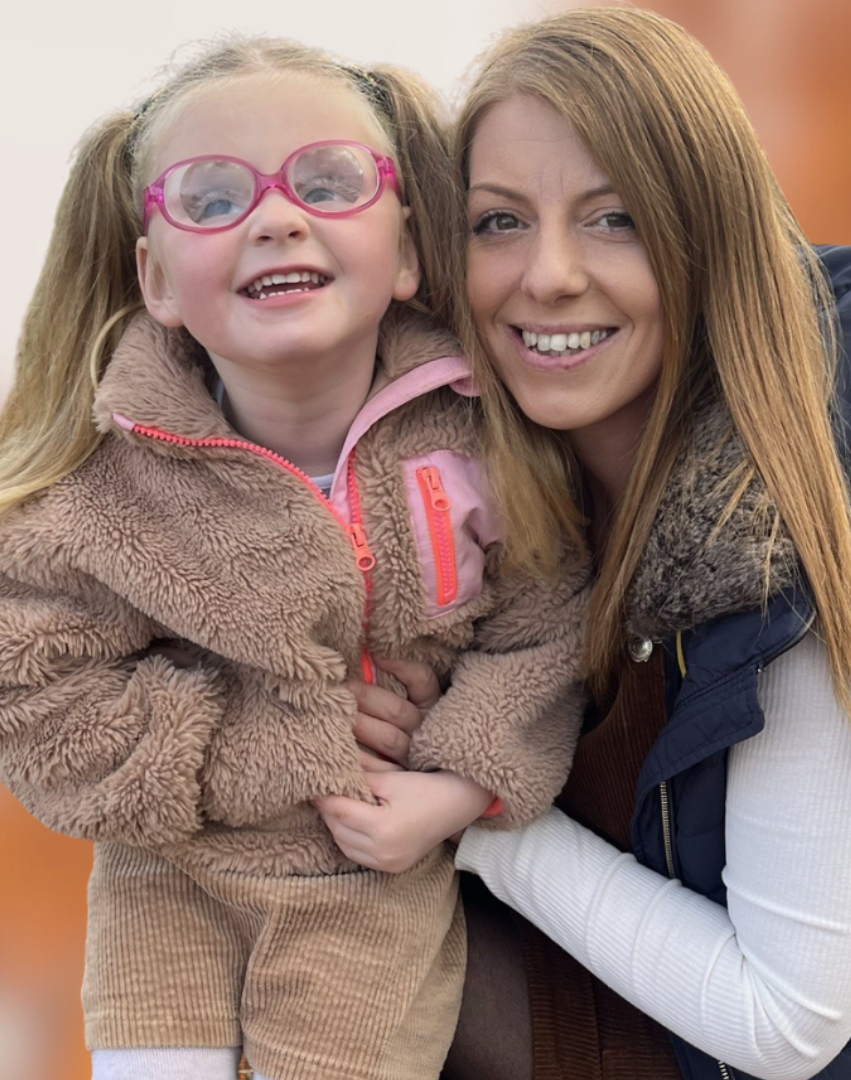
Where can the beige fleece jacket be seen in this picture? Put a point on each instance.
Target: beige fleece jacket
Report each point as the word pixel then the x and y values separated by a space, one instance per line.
pixel 175 528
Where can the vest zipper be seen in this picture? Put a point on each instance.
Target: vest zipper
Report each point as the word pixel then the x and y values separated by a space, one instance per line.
pixel 665 805
pixel 364 558
pixel 664 800
pixel 437 507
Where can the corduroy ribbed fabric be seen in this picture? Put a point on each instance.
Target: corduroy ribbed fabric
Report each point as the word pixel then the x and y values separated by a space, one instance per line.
pixel 581 1028
pixel 353 976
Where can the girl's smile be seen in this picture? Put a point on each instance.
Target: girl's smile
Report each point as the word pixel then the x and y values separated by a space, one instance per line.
pixel 284 299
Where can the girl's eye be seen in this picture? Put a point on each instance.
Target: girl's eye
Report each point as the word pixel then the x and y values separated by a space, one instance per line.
pixel 207 206
pixel 221 207
pixel 496 221
pixel 329 189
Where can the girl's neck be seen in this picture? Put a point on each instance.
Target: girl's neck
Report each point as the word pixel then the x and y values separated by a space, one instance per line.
pixel 306 422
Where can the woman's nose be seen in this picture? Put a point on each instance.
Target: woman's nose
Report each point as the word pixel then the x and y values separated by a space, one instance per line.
pixel 275 217
pixel 555 267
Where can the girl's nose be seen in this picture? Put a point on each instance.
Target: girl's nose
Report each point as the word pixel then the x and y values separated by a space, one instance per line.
pixel 555 267
pixel 276 218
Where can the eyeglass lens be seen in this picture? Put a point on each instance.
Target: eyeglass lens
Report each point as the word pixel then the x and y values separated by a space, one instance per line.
pixel 213 192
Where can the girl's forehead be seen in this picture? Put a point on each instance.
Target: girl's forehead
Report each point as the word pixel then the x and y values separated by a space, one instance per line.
pixel 267 114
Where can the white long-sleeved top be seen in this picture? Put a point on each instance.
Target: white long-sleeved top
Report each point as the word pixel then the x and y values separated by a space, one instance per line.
pixel 765 984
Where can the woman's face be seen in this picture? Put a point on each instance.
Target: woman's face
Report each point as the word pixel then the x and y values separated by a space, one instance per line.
pixel 560 285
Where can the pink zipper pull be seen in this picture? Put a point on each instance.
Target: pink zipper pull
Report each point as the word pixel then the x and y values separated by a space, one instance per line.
pixel 363 554
pixel 434 485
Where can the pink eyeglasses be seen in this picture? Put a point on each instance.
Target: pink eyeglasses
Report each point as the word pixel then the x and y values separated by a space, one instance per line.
pixel 328 179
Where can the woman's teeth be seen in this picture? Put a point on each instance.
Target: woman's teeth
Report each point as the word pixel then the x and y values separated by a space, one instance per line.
pixel 276 284
pixel 563 344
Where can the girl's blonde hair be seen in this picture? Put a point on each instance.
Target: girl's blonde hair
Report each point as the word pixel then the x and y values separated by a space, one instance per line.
pixel 741 293
pixel 88 289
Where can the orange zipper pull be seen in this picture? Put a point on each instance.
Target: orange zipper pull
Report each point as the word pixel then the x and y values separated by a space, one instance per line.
pixel 436 491
pixel 363 554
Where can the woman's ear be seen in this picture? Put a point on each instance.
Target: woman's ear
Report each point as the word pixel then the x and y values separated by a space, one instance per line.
pixel 408 266
pixel 158 297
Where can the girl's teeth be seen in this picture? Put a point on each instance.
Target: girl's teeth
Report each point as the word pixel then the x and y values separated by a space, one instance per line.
pixel 295 277
pixel 563 343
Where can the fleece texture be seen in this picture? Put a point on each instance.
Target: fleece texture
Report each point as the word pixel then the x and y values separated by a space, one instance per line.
pixel 177 621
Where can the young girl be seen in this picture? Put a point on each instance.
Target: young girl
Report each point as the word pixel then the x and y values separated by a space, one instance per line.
pixel 258 509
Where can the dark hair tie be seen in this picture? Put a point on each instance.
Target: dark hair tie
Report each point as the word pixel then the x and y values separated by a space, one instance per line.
pixel 368 85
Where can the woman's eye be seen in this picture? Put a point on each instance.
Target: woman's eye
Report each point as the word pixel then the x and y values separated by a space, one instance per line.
pixel 496 221
pixel 616 220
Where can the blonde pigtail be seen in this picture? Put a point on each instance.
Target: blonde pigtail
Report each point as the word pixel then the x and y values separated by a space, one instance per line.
pixel 421 147
pixel 88 281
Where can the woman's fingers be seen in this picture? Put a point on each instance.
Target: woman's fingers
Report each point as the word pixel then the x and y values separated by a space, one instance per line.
pixel 386 721
pixel 371 763
pixel 418 679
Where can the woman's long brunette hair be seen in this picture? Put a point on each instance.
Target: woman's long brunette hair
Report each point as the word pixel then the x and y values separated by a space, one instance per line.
pixel 744 302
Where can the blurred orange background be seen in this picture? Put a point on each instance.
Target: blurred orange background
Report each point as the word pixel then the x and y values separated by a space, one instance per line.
pixel 789 61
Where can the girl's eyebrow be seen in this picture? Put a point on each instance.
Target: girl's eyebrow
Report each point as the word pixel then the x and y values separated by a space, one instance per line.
pixel 509 193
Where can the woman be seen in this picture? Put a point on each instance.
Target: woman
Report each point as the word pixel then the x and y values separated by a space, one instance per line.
pixel 646 317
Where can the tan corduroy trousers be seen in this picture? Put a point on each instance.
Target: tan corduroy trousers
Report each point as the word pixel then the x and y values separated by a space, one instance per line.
pixel 353 976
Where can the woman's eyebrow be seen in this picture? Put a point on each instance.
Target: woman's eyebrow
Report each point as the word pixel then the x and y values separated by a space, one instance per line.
pixel 495 189
pixel 605 189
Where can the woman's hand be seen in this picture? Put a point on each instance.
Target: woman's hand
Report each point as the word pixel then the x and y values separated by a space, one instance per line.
pixel 386 721
pixel 416 812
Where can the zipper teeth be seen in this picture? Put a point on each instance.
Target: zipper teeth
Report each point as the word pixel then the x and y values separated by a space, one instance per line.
pixel 666 828
pixel 243 444
pixel 725 1072
pixel 443 542
pixel 367 668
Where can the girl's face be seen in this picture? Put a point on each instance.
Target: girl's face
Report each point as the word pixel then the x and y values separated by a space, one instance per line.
pixel 560 285
pixel 207 282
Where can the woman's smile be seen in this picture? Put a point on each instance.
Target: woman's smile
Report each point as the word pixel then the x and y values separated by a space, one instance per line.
pixel 560 284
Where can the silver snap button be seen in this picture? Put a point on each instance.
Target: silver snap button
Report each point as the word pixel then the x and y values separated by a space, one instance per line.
pixel 640 649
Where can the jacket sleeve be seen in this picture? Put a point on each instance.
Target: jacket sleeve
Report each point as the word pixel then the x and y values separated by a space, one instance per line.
pixel 107 733
pixel 98 739
pixel 511 718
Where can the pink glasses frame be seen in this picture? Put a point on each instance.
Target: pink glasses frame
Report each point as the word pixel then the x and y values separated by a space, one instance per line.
pixel 263 182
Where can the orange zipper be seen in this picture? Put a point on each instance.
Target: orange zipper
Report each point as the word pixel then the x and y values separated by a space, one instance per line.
pixel 364 558
pixel 365 561
pixel 437 506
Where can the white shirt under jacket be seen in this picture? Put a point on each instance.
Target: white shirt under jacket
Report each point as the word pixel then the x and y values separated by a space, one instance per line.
pixel 764 985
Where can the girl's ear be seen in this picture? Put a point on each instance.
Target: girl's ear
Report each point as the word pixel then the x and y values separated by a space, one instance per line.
pixel 158 297
pixel 408 266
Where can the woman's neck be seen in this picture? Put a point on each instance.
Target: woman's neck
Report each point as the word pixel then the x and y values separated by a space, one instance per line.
pixel 606 453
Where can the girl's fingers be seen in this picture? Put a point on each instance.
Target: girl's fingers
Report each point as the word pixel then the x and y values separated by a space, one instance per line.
pixel 338 810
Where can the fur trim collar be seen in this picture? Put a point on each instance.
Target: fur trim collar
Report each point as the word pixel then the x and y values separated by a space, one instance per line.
pixel 161 377
pixel 691 570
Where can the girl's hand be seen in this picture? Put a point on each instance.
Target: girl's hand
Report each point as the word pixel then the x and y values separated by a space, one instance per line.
pixel 386 721
pixel 416 812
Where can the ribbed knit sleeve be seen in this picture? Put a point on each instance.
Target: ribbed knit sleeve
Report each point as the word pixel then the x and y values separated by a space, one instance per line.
pixel 764 985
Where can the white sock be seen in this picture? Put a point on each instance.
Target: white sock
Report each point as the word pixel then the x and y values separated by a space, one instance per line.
pixel 167 1063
